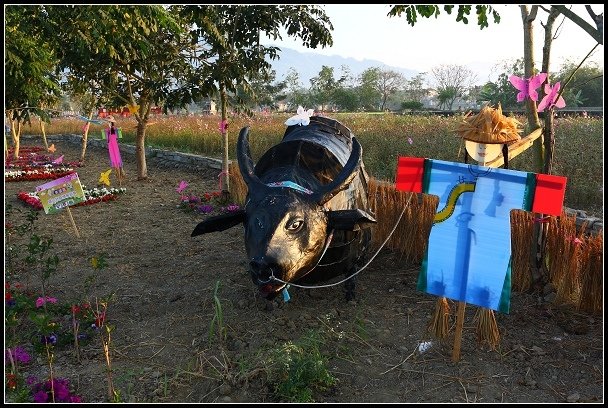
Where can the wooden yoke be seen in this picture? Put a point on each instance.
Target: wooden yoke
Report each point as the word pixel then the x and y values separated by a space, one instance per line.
pixel 516 148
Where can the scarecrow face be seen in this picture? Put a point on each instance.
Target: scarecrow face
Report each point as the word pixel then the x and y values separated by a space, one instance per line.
pixel 483 152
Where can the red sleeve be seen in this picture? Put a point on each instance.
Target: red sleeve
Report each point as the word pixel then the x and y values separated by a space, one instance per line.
pixel 549 194
pixel 409 174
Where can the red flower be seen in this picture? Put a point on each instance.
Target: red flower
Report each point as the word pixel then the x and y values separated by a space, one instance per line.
pixel 11 381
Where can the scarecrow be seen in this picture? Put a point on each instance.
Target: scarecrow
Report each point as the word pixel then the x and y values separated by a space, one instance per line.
pixel 468 257
pixel 112 135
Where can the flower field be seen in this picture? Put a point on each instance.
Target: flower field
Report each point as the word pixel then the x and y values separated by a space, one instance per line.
pixel 384 137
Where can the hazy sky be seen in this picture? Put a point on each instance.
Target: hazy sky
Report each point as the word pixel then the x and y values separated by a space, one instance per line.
pixel 365 32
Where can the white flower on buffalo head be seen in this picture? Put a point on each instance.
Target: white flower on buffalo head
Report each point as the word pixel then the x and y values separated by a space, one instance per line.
pixel 302 117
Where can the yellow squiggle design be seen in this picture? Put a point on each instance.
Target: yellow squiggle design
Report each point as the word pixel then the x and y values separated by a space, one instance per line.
pixel 448 210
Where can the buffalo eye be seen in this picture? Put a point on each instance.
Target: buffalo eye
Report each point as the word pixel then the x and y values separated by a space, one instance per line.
pixel 294 225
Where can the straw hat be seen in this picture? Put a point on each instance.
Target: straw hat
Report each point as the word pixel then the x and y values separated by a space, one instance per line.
pixel 489 126
pixel 110 118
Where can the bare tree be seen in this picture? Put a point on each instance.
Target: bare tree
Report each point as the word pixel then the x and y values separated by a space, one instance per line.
pixel 389 82
pixel 452 81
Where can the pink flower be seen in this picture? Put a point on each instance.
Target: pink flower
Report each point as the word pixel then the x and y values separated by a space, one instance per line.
pixel 41 301
pixel 223 125
pixel 182 186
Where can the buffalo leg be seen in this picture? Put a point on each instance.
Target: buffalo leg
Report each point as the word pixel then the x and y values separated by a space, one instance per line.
pixel 349 285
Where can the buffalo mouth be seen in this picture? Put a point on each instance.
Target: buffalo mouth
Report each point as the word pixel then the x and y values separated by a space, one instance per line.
pixel 270 290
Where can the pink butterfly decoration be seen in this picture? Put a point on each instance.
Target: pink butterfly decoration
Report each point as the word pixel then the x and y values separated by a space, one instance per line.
pixel 551 98
pixel 182 186
pixel 527 86
pixel 58 160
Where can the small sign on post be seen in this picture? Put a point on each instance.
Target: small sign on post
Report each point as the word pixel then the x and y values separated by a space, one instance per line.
pixel 61 193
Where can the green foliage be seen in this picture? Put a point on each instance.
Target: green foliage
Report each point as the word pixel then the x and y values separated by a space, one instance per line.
pixel 31 83
pixel 297 369
pixel 217 323
pixel 427 11
pixel 586 86
pixel 414 105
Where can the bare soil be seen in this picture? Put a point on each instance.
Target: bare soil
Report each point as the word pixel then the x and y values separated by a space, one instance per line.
pixel 163 283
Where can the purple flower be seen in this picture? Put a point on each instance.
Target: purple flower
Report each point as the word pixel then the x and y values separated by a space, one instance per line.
pixel 232 208
pixel 30 380
pixel 19 354
pixel 62 390
pixel 205 209
pixel 41 396
pixel 49 339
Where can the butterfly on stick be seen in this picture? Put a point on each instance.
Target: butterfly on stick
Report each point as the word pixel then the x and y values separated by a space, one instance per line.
pixel 527 86
pixel 104 177
pixel 551 98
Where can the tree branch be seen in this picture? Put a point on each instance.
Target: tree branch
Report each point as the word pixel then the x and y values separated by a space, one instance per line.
pixel 595 33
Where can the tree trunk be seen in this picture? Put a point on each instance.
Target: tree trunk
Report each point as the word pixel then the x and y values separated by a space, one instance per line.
pixel 85 138
pixel 224 174
pixel 140 150
pixel 549 133
pixel 528 18
pixel 46 144
pixel 16 132
pixel 540 278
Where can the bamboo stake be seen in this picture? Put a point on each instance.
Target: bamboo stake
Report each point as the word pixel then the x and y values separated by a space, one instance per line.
pixel 73 223
pixel 458 332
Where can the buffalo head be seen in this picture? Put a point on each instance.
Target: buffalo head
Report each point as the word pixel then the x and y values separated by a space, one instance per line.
pixel 287 217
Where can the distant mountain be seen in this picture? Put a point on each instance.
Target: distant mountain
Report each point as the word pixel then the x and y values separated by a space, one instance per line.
pixel 309 64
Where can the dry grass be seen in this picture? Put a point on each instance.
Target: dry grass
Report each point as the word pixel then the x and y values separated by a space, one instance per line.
pixel 522 226
pixel 411 235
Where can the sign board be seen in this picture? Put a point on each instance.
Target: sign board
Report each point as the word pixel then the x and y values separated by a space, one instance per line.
pixel 60 193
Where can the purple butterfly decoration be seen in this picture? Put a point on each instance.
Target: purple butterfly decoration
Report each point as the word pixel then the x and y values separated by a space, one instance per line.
pixel 182 186
pixel 527 86
pixel 58 160
pixel 551 98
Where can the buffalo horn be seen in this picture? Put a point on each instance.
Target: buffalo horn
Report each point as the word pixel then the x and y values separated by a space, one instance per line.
pixel 343 179
pixel 244 159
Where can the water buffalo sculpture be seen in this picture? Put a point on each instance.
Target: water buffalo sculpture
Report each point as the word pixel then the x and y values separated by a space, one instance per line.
pixel 306 214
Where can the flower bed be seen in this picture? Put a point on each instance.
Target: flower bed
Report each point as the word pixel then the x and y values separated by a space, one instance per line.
pixel 29 173
pixel 93 196
pixel 32 165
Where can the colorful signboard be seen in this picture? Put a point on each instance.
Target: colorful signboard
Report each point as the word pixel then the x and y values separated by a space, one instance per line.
pixel 60 193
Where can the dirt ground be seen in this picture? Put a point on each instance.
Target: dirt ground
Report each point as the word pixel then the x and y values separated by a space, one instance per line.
pixel 376 347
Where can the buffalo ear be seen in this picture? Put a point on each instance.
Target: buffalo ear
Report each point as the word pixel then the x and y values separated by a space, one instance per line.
pixel 348 220
pixel 219 223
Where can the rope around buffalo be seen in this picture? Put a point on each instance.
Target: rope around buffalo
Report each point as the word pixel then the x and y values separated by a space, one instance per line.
pixel 362 268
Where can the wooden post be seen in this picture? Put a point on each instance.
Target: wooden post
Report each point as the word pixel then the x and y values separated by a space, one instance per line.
pixel 73 223
pixel 458 332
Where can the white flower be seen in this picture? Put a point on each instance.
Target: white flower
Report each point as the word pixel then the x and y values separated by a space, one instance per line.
pixel 302 117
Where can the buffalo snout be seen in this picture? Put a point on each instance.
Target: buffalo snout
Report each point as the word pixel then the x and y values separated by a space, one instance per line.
pixel 263 272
